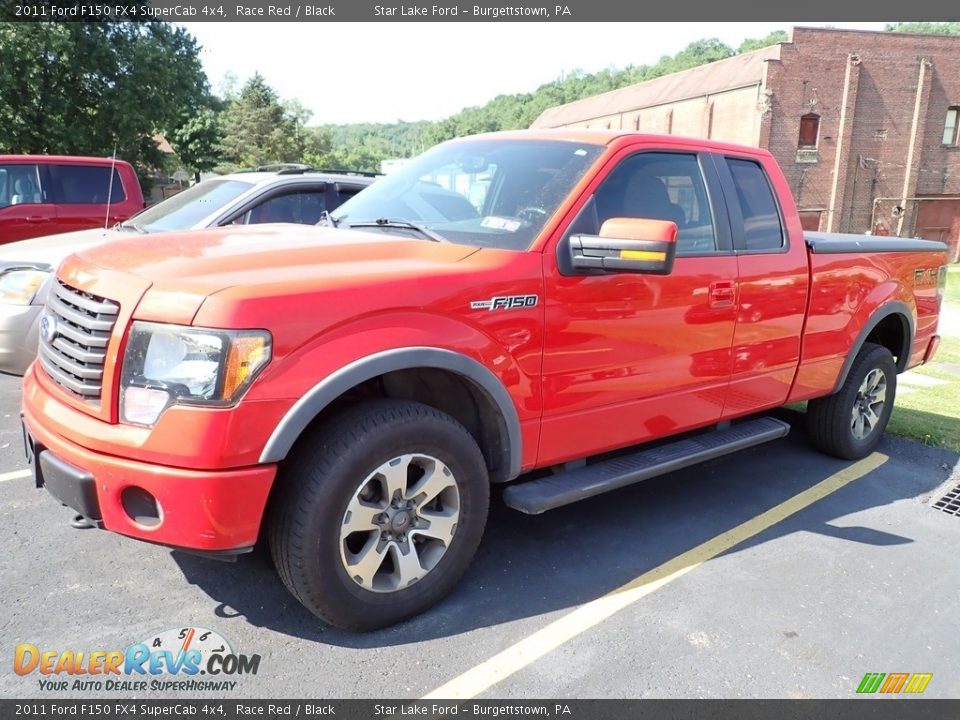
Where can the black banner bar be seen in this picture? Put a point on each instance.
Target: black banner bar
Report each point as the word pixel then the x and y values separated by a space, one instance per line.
pixel 465 11
pixel 873 708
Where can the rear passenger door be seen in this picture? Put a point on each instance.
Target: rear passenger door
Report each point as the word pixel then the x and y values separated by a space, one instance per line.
pixel 85 196
pixel 771 292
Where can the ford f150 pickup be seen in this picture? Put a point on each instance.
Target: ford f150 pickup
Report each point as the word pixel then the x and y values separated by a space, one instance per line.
pixel 530 308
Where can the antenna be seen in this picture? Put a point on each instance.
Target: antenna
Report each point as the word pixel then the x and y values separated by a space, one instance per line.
pixel 113 165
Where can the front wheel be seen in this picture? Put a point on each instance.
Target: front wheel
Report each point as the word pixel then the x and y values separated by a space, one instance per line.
pixel 379 514
pixel 850 423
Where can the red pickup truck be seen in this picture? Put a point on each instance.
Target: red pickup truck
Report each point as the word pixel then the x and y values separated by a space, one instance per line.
pixel 530 308
pixel 48 194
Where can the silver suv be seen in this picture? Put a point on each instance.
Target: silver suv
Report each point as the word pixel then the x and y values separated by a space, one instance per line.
pixel 272 194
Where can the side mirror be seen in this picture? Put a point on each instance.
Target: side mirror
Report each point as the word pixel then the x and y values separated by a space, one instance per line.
pixel 636 245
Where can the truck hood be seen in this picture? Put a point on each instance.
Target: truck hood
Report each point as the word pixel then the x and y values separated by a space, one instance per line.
pixel 50 250
pixel 204 262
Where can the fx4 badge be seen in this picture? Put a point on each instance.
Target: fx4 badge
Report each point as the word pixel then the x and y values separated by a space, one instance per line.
pixel 505 302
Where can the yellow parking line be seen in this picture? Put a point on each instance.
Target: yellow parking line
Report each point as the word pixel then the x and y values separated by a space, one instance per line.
pixel 521 654
pixel 15 475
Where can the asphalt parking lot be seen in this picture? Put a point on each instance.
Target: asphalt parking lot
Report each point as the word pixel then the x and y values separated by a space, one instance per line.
pixel 744 591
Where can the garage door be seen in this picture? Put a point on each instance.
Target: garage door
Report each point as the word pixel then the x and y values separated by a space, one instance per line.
pixel 940 220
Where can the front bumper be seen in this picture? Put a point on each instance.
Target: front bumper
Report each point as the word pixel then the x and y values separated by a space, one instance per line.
pixel 203 510
pixel 18 337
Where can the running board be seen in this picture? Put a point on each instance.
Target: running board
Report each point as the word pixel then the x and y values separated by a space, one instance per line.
pixel 538 496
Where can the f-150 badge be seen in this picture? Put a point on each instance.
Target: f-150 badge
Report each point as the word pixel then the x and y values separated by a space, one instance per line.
pixel 505 302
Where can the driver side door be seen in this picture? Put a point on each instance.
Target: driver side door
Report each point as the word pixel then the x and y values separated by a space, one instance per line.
pixel 631 356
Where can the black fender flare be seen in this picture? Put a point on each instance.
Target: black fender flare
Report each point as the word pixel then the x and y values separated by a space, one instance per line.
pixel 894 307
pixel 312 403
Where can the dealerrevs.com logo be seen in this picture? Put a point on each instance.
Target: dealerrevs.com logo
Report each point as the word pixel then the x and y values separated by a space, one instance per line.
pixel 185 659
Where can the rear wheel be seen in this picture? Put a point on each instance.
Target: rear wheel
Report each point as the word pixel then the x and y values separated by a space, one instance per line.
pixel 850 423
pixel 379 514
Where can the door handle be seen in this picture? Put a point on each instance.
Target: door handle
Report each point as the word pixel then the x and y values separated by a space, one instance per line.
pixel 723 294
pixel 37 219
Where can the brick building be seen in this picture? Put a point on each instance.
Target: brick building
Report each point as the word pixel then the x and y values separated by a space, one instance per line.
pixel 864 124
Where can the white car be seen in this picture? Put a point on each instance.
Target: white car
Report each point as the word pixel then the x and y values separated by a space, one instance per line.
pixel 278 194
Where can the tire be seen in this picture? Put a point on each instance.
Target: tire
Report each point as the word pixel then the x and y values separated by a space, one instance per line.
pixel 371 461
pixel 831 421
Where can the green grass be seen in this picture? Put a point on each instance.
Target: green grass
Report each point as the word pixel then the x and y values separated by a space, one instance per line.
pixel 932 414
pixel 953 284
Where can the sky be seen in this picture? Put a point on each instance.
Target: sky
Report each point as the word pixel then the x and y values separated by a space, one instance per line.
pixel 384 72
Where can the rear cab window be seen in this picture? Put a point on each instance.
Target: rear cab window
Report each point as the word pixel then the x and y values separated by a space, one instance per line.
pixel 84 185
pixel 754 201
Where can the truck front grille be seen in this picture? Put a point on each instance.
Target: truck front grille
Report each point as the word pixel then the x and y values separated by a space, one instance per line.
pixel 74 334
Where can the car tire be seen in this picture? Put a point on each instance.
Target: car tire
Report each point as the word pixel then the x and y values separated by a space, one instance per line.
pixel 326 534
pixel 850 423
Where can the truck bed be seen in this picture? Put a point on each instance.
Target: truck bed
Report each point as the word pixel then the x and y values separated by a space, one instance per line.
pixel 853 279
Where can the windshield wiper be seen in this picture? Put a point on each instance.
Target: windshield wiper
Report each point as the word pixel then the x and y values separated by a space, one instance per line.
pixel 399 223
pixel 327 219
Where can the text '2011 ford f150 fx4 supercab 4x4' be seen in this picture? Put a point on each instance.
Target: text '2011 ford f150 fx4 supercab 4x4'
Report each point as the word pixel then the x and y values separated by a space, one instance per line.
pixel 508 308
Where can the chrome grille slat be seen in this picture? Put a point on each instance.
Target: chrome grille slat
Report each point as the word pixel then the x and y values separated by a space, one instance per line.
pixel 68 382
pixel 74 368
pixel 78 317
pixel 75 354
pixel 85 302
pixel 92 339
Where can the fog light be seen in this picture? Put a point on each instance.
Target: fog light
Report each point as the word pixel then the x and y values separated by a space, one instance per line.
pixel 141 405
pixel 140 506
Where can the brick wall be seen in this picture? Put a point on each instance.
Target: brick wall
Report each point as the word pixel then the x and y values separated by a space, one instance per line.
pixel 878 74
pixel 810 77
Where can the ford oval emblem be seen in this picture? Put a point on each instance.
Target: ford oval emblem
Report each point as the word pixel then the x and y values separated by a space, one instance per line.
pixel 48 328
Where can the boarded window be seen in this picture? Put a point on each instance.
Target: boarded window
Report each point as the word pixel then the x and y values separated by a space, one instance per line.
pixel 809 130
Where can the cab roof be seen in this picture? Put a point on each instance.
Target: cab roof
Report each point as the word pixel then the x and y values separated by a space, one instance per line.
pixel 70 159
pixel 609 137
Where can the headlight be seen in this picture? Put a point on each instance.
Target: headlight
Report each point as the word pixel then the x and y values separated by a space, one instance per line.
pixel 17 287
pixel 173 364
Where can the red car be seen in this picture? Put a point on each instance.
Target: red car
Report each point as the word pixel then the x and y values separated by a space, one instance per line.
pixel 47 194
pixel 507 308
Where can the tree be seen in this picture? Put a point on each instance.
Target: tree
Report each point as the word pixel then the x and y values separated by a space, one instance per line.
pixel 750 44
pixel 930 28
pixel 258 129
pixel 85 88
pixel 317 146
pixel 197 142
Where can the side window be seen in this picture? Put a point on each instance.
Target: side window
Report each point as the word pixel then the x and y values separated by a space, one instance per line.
pixel 762 229
pixel 84 185
pixel 20 185
pixel 345 192
pixel 302 207
pixel 661 186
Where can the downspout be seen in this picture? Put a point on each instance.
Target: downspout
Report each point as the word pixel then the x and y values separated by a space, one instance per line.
pixel 912 145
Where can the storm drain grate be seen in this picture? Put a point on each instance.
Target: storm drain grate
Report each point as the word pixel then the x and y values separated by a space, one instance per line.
pixel 950 503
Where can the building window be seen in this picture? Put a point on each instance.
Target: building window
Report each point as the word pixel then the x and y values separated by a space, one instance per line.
pixel 950 126
pixel 809 131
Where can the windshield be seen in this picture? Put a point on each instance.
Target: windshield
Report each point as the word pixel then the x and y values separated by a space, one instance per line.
pixel 492 192
pixel 185 209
